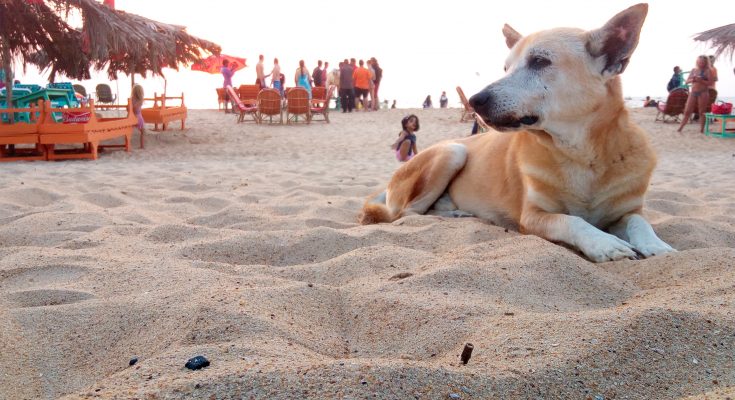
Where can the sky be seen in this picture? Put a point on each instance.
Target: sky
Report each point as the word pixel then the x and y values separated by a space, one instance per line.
pixel 423 47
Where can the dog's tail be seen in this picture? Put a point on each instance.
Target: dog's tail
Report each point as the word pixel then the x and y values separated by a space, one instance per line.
pixel 375 211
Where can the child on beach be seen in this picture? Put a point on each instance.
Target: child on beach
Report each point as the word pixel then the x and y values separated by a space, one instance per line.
pixel 137 102
pixel 405 146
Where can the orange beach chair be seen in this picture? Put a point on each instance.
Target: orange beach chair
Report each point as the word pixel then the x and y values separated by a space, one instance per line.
pixel 245 109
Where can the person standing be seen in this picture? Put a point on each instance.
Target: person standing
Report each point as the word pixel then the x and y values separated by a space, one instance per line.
pixel 378 78
pixel 260 80
pixel 713 83
pixel 443 101
pixel 700 79
pixel 325 72
pixel 302 78
pixel 346 87
pixel 362 77
pixel 227 71
pixel 276 77
pixel 316 76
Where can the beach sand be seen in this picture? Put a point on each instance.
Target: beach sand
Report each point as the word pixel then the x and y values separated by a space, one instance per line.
pixel 239 242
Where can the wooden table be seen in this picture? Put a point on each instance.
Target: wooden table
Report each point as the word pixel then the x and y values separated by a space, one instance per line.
pixel 712 120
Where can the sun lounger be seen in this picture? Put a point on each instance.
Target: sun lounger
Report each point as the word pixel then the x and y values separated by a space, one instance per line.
pixel 250 109
pixel 467 111
pixel 83 126
pixel 20 140
pixel 249 94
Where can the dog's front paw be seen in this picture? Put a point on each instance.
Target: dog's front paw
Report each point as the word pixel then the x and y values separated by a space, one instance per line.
pixel 653 247
pixel 606 247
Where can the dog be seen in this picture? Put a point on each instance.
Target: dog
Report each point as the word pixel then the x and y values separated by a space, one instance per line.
pixel 563 161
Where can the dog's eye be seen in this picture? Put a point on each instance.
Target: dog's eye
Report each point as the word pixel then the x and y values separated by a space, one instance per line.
pixel 538 62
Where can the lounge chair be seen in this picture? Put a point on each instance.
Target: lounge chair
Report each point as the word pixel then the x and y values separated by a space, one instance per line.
pixel 244 109
pixel 221 99
pixel 269 105
pixel 104 94
pixel 467 111
pixel 320 106
pixel 481 124
pixel 674 105
pixel 19 140
pixel 298 103
pixel 319 93
pixel 249 94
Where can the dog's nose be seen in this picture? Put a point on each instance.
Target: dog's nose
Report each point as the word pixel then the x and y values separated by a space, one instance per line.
pixel 481 101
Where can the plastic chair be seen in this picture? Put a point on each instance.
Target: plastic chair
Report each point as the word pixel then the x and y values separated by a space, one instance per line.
pixel 80 89
pixel 104 94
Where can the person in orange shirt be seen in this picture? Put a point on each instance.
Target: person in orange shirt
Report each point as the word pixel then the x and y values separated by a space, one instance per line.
pixel 362 79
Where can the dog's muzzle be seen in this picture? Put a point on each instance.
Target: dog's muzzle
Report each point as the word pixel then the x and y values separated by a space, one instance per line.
pixel 485 105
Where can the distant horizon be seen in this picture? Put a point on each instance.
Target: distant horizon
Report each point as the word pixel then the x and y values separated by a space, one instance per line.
pixel 445 48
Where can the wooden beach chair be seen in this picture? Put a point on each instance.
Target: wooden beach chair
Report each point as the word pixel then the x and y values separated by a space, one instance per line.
pixel 164 110
pixel 297 103
pixel 221 99
pixel 249 94
pixel 83 126
pixel 481 124
pixel 269 105
pixel 467 111
pixel 244 109
pixel 320 106
pixel 319 93
pixel 673 107
pixel 19 141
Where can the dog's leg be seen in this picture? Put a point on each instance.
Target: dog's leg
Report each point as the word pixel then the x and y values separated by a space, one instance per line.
pixel 416 188
pixel 445 207
pixel 597 245
pixel 634 229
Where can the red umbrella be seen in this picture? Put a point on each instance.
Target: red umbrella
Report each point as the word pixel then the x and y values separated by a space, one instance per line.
pixel 213 64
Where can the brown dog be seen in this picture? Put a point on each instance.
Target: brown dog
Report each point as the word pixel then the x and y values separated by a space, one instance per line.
pixel 566 163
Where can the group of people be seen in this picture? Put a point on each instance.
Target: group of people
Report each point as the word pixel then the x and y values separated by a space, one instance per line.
pixel 700 80
pixel 443 101
pixel 355 81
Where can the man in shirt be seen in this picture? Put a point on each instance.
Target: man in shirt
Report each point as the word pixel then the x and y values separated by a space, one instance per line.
pixel 362 79
pixel 346 87
pixel 316 75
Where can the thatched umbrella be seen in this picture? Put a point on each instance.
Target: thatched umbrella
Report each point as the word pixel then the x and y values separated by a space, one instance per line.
pixel 722 39
pixel 36 32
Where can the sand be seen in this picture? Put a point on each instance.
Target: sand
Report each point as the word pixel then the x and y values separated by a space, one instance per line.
pixel 239 242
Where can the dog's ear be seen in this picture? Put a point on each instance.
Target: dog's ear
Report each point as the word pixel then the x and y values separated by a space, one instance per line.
pixel 511 36
pixel 617 39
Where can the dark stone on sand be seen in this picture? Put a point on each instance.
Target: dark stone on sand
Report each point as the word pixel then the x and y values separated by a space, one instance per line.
pixel 197 362
pixel 133 361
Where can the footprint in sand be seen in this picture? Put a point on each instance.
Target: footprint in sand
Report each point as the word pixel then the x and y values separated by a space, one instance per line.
pixel 46 297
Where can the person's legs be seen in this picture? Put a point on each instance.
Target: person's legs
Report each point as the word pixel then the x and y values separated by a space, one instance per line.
pixel 703 103
pixel 343 99
pixel 376 99
pixel 688 110
pixel 351 99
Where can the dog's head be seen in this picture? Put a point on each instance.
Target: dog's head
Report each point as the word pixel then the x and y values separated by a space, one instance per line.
pixel 556 77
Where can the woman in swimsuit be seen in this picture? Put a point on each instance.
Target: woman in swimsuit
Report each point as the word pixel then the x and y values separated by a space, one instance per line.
pixel 405 146
pixel 699 78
